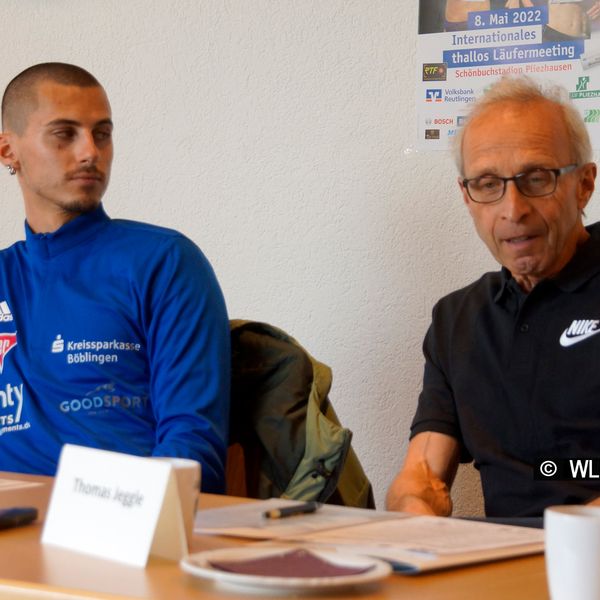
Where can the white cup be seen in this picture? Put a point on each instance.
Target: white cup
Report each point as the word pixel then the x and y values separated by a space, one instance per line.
pixel 573 552
pixel 188 473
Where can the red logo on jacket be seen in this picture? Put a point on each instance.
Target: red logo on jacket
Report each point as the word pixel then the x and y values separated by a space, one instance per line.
pixel 7 342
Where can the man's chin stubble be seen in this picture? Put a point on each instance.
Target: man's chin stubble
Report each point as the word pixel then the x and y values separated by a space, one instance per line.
pixel 78 207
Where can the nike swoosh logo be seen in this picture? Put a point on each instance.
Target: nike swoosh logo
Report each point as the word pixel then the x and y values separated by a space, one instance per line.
pixel 568 340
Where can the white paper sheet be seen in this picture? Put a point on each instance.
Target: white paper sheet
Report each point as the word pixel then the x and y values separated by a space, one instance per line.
pixel 246 520
pixel 430 536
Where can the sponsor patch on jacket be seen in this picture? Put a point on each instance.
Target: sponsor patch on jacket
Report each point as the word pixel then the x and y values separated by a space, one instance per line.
pixel 7 342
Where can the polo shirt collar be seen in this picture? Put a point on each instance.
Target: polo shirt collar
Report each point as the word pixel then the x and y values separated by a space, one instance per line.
pixel 580 269
pixel 505 279
pixel 71 234
pixel 584 265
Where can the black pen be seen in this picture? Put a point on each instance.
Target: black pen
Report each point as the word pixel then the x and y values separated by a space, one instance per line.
pixel 290 511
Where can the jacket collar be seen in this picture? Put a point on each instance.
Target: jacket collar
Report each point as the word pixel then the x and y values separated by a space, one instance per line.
pixel 71 234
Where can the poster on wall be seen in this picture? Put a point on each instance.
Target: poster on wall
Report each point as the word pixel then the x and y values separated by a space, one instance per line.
pixel 465 45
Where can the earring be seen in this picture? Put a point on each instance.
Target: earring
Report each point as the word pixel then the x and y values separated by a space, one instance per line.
pixel 11 169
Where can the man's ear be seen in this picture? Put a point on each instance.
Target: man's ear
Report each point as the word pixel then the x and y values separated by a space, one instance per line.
pixel 586 184
pixel 463 190
pixel 7 154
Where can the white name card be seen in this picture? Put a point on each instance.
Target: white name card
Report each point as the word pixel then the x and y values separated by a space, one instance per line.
pixel 115 506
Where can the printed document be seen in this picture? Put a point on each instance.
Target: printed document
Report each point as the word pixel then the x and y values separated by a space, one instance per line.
pixel 411 543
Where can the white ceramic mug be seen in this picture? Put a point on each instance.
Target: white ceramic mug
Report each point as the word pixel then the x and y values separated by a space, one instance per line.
pixel 188 473
pixel 573 552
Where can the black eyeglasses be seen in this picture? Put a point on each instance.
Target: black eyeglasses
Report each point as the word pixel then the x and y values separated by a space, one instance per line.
pixel 532 183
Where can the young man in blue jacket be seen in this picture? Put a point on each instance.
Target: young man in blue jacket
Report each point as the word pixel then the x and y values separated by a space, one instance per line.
pixel 113 333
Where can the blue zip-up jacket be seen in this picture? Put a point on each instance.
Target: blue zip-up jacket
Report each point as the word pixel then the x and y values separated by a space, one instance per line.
pixel 113 335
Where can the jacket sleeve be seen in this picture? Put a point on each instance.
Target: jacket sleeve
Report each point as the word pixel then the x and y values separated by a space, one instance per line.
pixel 188 344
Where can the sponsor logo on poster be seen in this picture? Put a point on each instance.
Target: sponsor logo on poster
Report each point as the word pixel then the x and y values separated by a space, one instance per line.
pixel 592 115
pixel 433 95
pixel 435 71
pixel 432 134
pixel 581 89
pixel 459 94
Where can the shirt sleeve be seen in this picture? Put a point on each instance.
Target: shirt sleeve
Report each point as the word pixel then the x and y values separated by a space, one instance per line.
pixel 189 355
pixel 436 409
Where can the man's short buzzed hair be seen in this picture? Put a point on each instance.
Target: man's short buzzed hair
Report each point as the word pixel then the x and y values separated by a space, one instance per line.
pixel 20 97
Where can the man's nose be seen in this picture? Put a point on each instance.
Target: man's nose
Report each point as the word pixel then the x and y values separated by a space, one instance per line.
pixel 87 148
pixel 514 204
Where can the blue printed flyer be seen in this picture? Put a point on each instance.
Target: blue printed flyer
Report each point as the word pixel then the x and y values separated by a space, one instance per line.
pixel 465 45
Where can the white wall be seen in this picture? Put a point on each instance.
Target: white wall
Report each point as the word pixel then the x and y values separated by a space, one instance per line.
pixel 279 135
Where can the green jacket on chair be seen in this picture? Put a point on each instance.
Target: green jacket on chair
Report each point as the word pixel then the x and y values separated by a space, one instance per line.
pixel 292 442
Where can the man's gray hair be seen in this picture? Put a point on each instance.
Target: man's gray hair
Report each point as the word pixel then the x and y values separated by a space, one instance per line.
pixel 523 89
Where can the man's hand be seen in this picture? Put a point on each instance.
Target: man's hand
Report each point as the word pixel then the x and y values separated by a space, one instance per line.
pixel 422 486
pixel 412 504
pixel 419 491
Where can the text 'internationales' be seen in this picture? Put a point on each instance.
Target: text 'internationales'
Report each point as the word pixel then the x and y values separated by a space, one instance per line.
pixel 493 37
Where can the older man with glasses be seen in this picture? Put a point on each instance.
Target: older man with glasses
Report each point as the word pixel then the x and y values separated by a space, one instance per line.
pixel 512 361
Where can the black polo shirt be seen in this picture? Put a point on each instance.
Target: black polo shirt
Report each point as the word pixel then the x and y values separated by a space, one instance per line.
pixel 515 377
